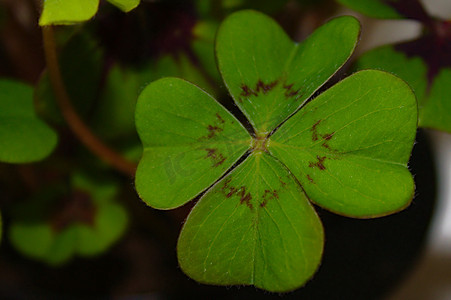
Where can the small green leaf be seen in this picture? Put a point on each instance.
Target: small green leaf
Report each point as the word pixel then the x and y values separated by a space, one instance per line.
pixel 61 246
pixel 67 12
pixel 349 147
pixel 189 71
pixel 434 103
pixel 114 116
pixel 372 8
pixel 189 141
pixel 267 74
pixel 254 227
pixel 24 137
pixel 435 113
pixel 57 12
pixel 411 69
pixel 32 240
pixel 203 47
pixel 125 5
pixel 111 221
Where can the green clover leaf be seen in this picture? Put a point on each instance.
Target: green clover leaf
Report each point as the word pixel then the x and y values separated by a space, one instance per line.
pixel 24 137
pixel 57 12
pixel 383 9
pixel 357 145
pixel 263 63
pixel 389 9
pixel 346 150
pixel 86 222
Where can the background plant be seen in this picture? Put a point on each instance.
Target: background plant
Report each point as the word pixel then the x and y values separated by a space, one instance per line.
pixel 425 62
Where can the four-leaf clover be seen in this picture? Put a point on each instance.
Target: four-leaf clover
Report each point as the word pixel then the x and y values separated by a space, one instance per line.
pixel 346 150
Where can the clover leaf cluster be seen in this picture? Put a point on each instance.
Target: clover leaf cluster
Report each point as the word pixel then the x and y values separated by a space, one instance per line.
pixel 59 223
pixel 345 150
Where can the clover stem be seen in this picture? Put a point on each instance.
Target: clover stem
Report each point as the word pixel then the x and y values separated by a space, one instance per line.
pixel 76 124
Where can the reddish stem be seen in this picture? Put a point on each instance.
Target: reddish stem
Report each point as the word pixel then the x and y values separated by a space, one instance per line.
pixel 76 124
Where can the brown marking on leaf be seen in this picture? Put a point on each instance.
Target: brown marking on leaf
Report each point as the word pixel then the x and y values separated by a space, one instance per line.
pixel 314 127
pixel 217 158
pixel 221 161
pixel 231 192
pixel 213 130
pixel 265 88
pixel 289 92
pixel 319 164
pixel 288 86
pixel 325 145
pixel 228 190
pixel 267 196
pixel 226 184
pixel 245 198
pixel 247 91
pixel 328 136
pixel 310 178
pixel 282 183
pixel 221 120
pixel 210 152
pixel 260 87
pixel 293 93
pixel 314 131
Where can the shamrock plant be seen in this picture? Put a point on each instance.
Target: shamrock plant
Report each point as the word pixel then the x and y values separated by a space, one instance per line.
pixel 345 150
